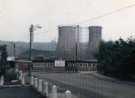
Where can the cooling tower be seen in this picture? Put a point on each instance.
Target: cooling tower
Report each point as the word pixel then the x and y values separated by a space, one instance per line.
pixel 94 40
pixel 66 47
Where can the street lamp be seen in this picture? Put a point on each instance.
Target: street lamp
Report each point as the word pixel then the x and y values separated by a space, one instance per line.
pixel 31 31
pixel 76 47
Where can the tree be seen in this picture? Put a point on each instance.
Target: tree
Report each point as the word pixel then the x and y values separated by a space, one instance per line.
pixel 117 58
pixel 3 59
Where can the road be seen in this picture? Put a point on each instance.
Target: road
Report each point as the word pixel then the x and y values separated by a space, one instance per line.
pixel 88 86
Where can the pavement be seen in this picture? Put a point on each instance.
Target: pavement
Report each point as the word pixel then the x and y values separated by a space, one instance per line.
pixel 18 92
pixel 90 85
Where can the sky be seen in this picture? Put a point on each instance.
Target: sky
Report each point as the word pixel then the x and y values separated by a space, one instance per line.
pixel 16 16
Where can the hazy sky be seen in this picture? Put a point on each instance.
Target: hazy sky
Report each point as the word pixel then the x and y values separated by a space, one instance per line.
pixel 17 15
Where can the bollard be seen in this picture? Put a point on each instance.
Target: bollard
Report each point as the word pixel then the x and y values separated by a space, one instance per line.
pixel 36 82
pixel 32 81
pixel 45 89
pixel 68 94
pixel 23 79
pixel 40 85
pixel 1 80
pixel 54 92
pixel 21 75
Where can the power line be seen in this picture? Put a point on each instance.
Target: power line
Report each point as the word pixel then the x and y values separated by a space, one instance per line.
pixel 107 14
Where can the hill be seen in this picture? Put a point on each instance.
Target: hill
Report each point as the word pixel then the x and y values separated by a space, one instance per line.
pixel 22 47
pixel 39 54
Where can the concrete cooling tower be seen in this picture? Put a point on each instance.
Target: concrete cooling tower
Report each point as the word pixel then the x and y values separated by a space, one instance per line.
pixel 94 40
pixel 70 47
pixel 66 47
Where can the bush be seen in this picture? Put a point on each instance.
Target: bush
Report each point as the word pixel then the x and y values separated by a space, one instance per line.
pixel 117 58
pixel 10 75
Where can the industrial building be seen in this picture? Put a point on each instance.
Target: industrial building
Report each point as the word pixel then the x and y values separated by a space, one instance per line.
pixel 94 40
pixel 70 47
pixel 66 47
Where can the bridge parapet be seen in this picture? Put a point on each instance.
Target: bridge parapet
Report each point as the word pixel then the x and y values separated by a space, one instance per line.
pixel 49 89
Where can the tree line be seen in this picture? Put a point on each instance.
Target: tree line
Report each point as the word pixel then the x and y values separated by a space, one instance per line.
pixel 117 58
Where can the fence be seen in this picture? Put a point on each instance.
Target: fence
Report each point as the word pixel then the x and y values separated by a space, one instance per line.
pixel 70 66
pixel 43 66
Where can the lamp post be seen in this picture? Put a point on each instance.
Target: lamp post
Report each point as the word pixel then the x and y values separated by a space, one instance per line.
pixel 77 42
pixel 31 31
pixel 76 47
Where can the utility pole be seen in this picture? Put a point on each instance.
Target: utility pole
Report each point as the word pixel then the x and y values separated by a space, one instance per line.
pixel 77 43
pixel 31 31
pixel 14 46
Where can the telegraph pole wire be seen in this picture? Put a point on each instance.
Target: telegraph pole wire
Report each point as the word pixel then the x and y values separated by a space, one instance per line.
pixel 106 14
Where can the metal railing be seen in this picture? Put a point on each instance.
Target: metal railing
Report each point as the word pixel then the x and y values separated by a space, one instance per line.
pixel 70 66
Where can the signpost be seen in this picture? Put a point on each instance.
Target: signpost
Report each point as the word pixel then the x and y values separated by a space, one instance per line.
pixel 59 63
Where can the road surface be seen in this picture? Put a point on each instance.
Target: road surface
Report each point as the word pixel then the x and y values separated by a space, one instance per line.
pixel 88 86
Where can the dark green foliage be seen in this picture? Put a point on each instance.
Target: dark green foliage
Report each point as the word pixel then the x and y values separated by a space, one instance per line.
pixel 11 74
pixel 117 58
pixel 3 59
